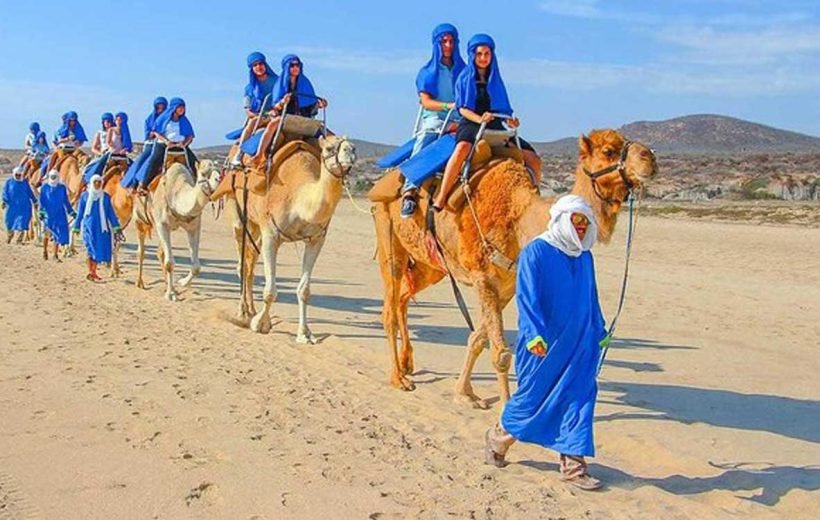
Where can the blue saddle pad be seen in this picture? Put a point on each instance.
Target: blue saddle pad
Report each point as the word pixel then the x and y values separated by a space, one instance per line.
pixel 429 160
pixel 397 156
pixel 251 145
pixel 234 135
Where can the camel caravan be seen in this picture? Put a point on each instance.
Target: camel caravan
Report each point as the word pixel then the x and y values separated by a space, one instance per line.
pixel 460 200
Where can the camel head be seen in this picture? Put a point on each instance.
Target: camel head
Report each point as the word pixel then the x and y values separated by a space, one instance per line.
pixel 338 155
pixel 609 168
pixel 208 176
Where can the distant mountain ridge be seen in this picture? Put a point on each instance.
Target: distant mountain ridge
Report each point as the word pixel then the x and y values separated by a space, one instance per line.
pixel 703 134
pixel 364 149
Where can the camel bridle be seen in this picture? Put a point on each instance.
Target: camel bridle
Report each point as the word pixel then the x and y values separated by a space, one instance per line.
pixel 619 167
pixel 333 153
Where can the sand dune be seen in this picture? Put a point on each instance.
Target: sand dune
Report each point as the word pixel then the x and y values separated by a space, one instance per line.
pixel 118 404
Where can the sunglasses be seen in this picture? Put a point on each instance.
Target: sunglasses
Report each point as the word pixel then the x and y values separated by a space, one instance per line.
pixel 295 64
pixel 579 220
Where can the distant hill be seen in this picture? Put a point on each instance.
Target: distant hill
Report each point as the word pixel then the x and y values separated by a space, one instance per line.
pixel 703 134
pixel 364 149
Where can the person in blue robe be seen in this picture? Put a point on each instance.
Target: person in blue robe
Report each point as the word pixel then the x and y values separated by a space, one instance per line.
pixel 480 92
pixel 294 95
pixel 172 130
pixel 37 150
pixel 99 225
pixel 33 130
pixel 18 198
pixel 71 133
pixel 100 148
pixel 129 180
pixel 435 84
pixel 55 208
pixel 258 99
pixel 560 334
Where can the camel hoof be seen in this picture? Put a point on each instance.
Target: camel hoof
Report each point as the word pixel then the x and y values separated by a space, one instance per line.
pixel 171 296
pixel 261 323
pixel 306 339
pixel 402 383
pixel 472 400
pixel 406 367
pixel 140 284
pixel 185 282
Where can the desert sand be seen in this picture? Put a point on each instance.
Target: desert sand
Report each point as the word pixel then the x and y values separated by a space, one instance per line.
pixel 118 404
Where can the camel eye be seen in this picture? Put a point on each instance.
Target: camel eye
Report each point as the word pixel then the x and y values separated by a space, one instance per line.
pixel 609 152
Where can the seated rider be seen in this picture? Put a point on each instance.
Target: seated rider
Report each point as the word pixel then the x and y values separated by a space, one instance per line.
pixel 99 147
pixel 261 82
pixel 480 91
pixel 293 95
pixel 31 140
pixel 172 129
pixel 435 84
pixel 70 134
pixel 129 180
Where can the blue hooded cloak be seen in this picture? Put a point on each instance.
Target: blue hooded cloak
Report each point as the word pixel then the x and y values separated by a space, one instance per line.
pixel 125 132
pixel 557 300
pixel 255 90
pixel 65 131
pixel 54 209
pixel 303 84
pixel 34 128
pixel 18 198
pixel 107 116
pixel 97 234
pixel 39 147
pixel 427 78
pixel 151 120
pixel 465 84
pixel 185 127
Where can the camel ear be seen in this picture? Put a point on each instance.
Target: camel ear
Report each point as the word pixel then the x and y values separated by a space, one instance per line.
pixel 584 147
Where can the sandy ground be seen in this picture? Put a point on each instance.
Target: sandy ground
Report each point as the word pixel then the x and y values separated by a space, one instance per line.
pixel 115 403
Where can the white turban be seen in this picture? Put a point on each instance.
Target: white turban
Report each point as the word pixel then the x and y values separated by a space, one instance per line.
pixel 53 178
pixel 96 196
pixel 561 233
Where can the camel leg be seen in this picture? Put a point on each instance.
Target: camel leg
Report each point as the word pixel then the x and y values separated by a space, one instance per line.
pixel 415 280
pixel 115 262
pixel 270 246
pixel 166 257
pixel 312 250
pixel 490 318
pixel 391 255
pixel 45 246
pixel 141 236
pixel 501 354
pixel 193 246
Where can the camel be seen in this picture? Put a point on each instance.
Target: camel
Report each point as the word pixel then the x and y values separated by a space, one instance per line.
pixel 297 206
pixel 177 202
pixel 70 164
pixel 122 199
pixel 510 214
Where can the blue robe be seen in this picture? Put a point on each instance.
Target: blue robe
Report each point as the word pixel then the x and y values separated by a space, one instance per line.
pixel 97 241
pixel 55 208
pixel 557 299
pixel 18 198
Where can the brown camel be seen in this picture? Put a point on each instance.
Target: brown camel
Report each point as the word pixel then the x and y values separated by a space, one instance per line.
pixel 305 187
pixel 122 199
pixel 510 214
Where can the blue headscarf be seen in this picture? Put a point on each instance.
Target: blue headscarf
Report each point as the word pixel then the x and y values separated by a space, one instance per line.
pixel 34 128
pixel 107 116
pixel 465 84
pixel 303 84
pixel 151 120
pixel 37 139
pixel 253 89
pixel 64 131
pixel 185 127
pixel 125 133
pixel 427 78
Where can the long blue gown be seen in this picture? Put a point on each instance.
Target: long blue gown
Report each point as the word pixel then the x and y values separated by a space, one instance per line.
pixel 56 207
pixel 18 197
pixel 97 240
pixel 557 299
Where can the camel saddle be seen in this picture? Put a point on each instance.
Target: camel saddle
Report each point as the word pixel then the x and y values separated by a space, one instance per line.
pixel 388 188
pixel 257 183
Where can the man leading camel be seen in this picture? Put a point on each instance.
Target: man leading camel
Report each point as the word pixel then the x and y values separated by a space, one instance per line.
pixel 560 333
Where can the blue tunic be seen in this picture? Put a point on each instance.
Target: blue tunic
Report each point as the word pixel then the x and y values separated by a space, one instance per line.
pixel 18 198
pixel 55 207
pixel 558 303
pixel 97 240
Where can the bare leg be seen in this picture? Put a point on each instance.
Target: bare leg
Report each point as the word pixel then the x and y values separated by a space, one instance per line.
pixel 311 253
pixel 270 246
pixel 451 172
pixel 193 247
pixel 267 137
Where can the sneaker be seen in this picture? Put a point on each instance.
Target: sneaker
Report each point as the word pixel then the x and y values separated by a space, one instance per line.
pixel 408 206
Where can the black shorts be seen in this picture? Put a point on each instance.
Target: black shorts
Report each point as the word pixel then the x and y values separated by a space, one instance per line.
pixel 467 130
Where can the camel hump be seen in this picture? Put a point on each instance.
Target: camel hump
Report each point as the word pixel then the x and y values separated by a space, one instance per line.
pixel 290 148
pixel 388 188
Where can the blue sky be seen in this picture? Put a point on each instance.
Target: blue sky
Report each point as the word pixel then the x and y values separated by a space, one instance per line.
pixel 569 65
